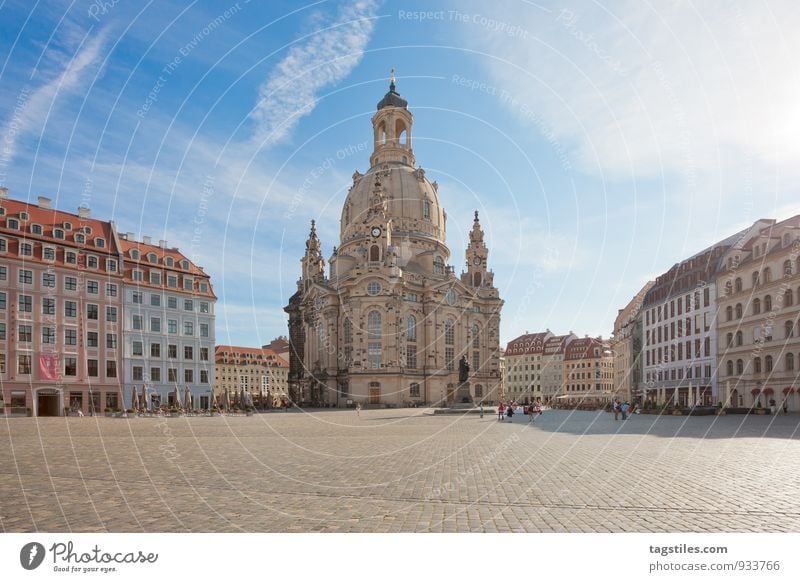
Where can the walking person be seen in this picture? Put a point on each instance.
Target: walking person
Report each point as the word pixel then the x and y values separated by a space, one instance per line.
pixel 481 409
pixel 615 406
pixel 510 413
pixel 358 409
pixel 500 410
pixel 624 409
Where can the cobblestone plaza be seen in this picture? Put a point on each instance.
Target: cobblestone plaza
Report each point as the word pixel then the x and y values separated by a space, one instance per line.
pixel 401 470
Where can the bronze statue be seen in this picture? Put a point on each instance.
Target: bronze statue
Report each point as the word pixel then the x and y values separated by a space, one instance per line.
pixel 463 369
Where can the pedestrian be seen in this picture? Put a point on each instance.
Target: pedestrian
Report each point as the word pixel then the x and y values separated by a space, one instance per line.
pixel 358 409
pixel 481 409
pixel 624 409
pixel 785 406
pixel 615 406
pixel 500 410
pixel 772 408
pixel 510 413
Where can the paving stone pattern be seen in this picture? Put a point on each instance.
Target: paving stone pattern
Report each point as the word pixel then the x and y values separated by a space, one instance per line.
pixel 400 471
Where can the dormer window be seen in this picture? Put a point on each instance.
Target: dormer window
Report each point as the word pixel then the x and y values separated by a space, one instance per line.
pixel 100 243
pixel 67 226
pixel 58 233
pixel 169 262
pixel 152 257
pixel 185 265
pixel 135 254
pixel 13 224
pixel 426 209
pixel 24 216
pixel 2 211
pixel 79 238
pixel 87 230
pixel 36 229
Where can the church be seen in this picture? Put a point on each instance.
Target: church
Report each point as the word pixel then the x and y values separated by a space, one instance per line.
pixel 388 321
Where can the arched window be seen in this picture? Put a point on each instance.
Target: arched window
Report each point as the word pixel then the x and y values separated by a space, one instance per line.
pixel 730 367
pixel 374 348
pixel 413 390
pixel 400 132
pixel 757 365
pixel 768 303
pixel 738 311
pixel 411 328
pixel 374 325
pixel 755 278
pixel 739 338
pixel 477 279
pixel 768 363
pixel 767 275
pixel 134 254
pixel 728 286
pixel 739 367
pixel 730 339
pixel 729 313
pixel 788 298
pixel 476 336
pixel 756 306
pixel 787 268
pixel 348 331
pixel 737 284
pixel 449 332
pixel 374 254
pixel 788 329
pixel 789 362
pixel 438 266
pixel 478 391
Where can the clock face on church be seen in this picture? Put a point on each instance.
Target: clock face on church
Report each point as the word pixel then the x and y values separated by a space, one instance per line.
pixel 476 261
pixel 376 231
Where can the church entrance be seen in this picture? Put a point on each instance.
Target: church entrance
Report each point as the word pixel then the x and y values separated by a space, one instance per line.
pixel 47 403
pixel 374 393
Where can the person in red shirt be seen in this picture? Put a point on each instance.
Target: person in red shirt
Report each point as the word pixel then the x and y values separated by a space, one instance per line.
pixel 500 410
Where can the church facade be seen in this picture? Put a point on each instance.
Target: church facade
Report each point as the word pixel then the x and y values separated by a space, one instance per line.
pixel 388 321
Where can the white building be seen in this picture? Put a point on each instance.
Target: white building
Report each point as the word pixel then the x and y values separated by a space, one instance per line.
pixel 168 333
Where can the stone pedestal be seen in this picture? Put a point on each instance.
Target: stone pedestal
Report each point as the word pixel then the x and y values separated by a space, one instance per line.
pixel 463 397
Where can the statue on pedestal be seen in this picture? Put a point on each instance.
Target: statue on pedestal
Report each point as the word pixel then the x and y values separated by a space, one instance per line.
pixel 463 369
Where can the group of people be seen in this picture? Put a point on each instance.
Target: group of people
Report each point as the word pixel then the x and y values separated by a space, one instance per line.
pixel 506 410
pixel 621 408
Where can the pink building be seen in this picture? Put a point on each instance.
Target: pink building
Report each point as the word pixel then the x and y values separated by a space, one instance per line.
pixel 60 310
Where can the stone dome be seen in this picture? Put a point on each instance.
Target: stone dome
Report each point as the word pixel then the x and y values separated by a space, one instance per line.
pixel 411 202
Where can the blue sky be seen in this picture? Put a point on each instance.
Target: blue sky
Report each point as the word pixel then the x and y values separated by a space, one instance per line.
pixel 602 143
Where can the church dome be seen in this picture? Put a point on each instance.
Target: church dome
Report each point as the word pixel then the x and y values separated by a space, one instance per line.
pixel 411 200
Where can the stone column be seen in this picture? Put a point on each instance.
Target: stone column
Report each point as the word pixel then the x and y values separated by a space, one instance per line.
pixel 691 396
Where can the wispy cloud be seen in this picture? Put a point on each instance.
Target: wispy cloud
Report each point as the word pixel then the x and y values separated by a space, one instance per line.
pixel 322 59
pixel 640 89
pixel 35 106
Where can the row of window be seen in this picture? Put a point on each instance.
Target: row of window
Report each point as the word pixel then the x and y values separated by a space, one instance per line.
pixel 137 349
pixel 762 278
pixel 70 366
pixel 737 312
pixel 155 278
pixel 680 329
pixel 155 300
pixel 49 280
pixel 153 258
pixel 700 373
pixel 138 375
pixel 768 365
pixel 25 305
pixel 675 352
pixel 26 249
pixel 137 324
pixel 660 312
pixel 761 334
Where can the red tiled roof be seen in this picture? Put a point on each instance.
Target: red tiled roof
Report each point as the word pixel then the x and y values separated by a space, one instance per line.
pixel 265 355
pixel 531 343
pixel 143 264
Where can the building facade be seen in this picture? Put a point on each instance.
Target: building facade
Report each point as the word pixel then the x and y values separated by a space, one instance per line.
pixel 588 370
pixel 258 371
pixel 390 321
pixel 553 365
pixel 680 326
pixel 168 325
pixel 524 367
pixel 627 347
pixel 60 310
pixel 759 312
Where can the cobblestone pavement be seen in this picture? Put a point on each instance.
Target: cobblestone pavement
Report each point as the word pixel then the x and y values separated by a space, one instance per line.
pixel 399 471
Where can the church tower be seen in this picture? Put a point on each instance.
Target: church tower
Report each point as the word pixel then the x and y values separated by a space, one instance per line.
pixel 390 324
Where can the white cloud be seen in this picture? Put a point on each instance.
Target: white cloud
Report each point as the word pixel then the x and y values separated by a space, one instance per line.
pixel 322 59
pixel 33 109
pixel 641 88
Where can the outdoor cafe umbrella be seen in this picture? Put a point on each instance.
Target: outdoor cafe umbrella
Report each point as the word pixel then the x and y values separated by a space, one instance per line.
pixel 227 400
pixel 243 400
pixel 261 397
pixel 212 401
pixel 134 400
pixel 236 400
pixel 187 398
pixel 146 398
pixel 178 397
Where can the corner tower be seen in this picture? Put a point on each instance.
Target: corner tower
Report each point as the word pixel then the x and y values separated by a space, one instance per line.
pixel 392 129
